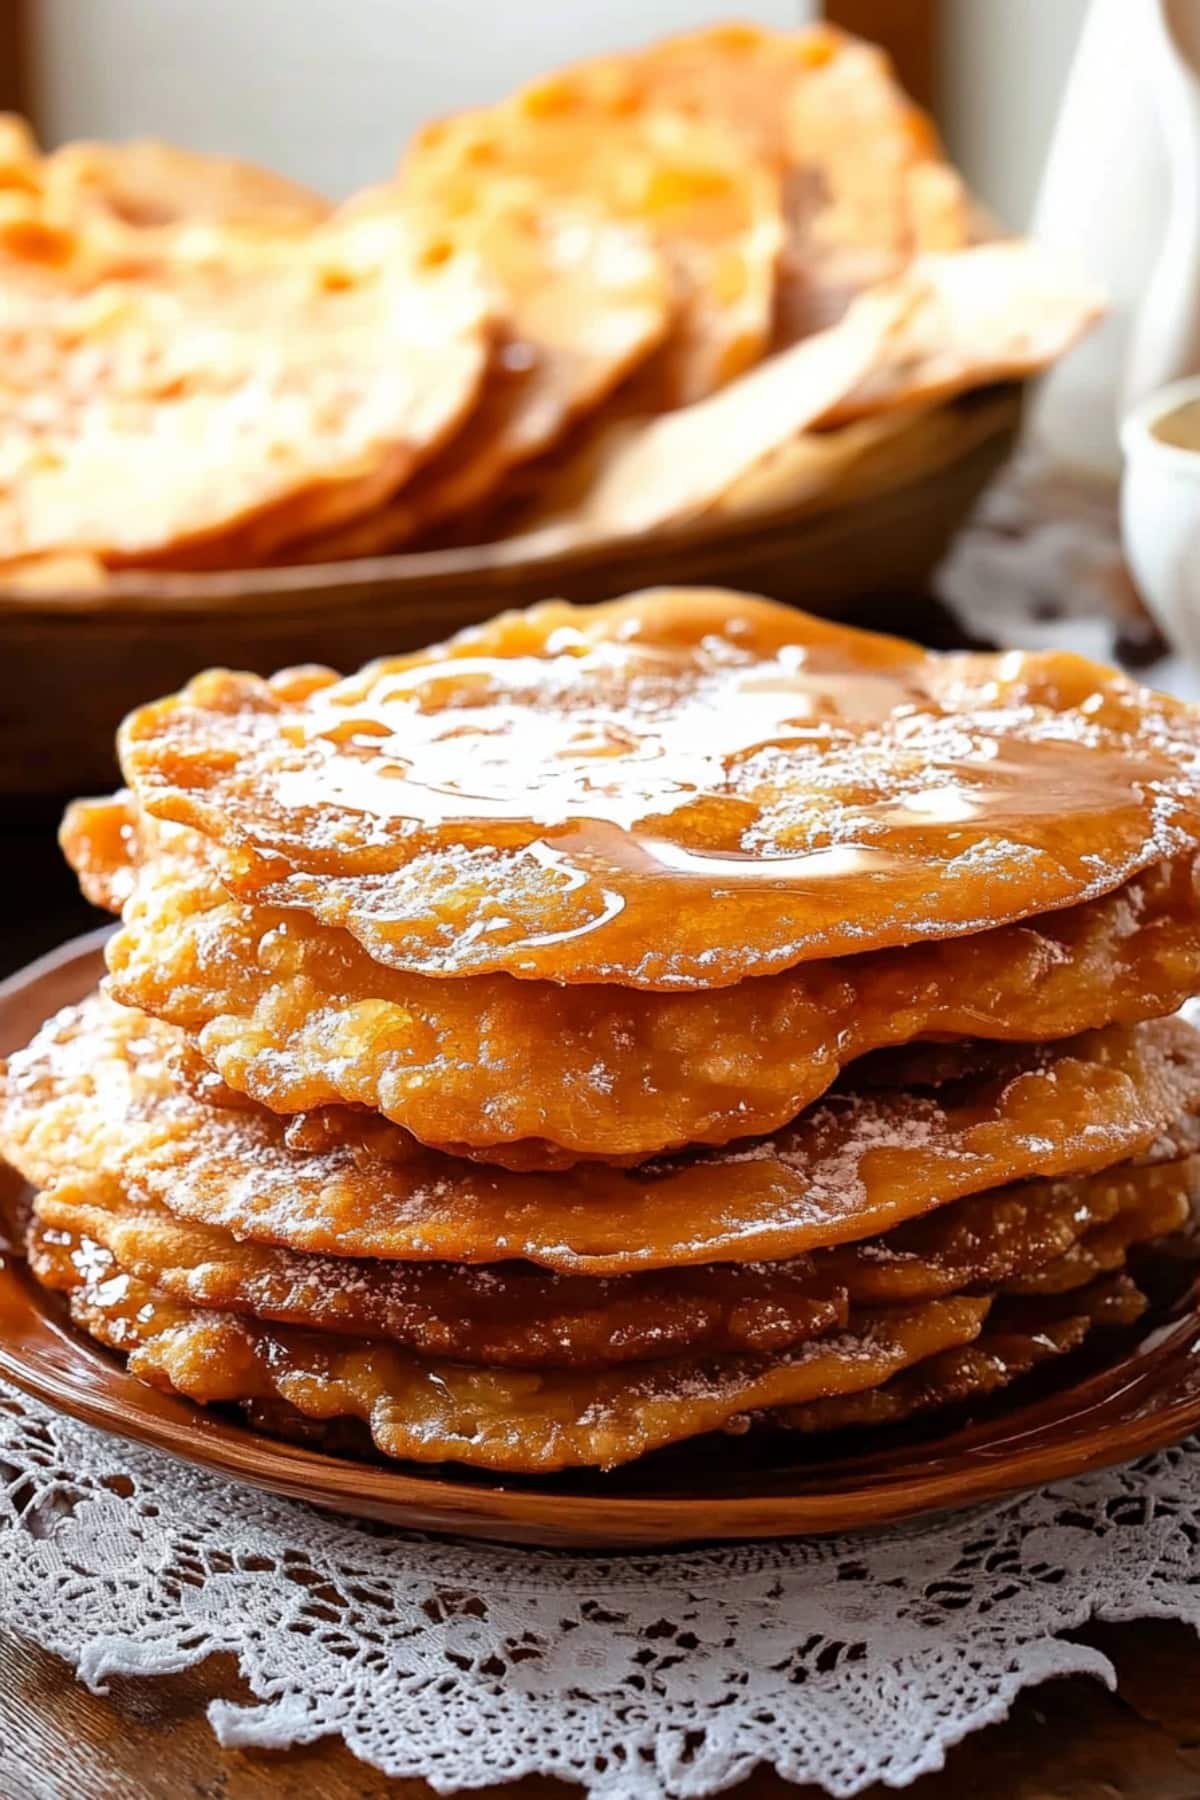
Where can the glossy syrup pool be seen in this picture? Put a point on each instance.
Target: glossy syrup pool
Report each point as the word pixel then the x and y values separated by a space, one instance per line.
pixel 674 791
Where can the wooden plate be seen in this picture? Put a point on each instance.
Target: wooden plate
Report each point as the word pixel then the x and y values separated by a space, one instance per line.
pixel 71 668
pixel 1146 1395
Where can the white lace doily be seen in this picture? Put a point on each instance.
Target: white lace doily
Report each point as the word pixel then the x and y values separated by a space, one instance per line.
pixel 836 1662
pixel 840 1662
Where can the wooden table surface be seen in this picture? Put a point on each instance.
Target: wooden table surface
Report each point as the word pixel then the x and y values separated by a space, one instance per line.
pixel 149 1740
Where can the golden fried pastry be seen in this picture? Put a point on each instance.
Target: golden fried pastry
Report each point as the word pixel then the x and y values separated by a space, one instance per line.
pixel 97 1092
pixel 616 1026
pixel 512 1420
pixel 145 186
pixel 833 466
pixel 676 790
pixel 635 475
pixel 1033 1237
pixel 994 313
pixel 870 208
pixel 199 375
pixel 585 301
pixel 148 185
pixel 1164 1206
pixel 53 574
pixel 250 392
pixel 91 212
pixel 809 472
pixel 1042 1237
pixel 811 101
pixel 1009 1346
pixel 511 1314
pixel 708 199
pixel 297 1015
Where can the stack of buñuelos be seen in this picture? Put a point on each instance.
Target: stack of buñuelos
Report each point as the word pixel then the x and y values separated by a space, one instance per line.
pixel 620 1024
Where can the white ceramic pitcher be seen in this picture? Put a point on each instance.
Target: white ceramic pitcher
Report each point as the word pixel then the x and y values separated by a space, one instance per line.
pixel 1121 193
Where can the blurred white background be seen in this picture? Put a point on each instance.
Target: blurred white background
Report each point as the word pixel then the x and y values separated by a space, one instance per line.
pixel 328 91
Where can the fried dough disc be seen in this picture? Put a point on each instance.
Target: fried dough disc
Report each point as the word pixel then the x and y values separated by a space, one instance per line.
pixel 869 195
pixel 91 211
pixel 53 575
pixel 513 1420
pixel 1161 1208
pixel 297 1015
pixel 585 300
pixel 1035 1237
pixel 994 313
pixel 807 471
pixel 1008 1347
pixel 205 410
pixel 867 185
pixel 96 1092
pixel 707 198
pixel 818 470
pixel 148 185
pixel 1050 1235
pixel 139 193
pixel 680 789
pixel 511 1315
pixel 633 475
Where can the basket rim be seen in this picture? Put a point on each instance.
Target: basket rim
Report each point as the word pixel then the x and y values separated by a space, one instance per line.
pixel 984 413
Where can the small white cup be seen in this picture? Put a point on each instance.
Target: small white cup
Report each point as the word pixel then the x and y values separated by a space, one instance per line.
pixel 1160 509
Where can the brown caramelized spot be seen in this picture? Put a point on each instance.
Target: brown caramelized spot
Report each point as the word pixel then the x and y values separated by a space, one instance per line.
pixel 675 790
